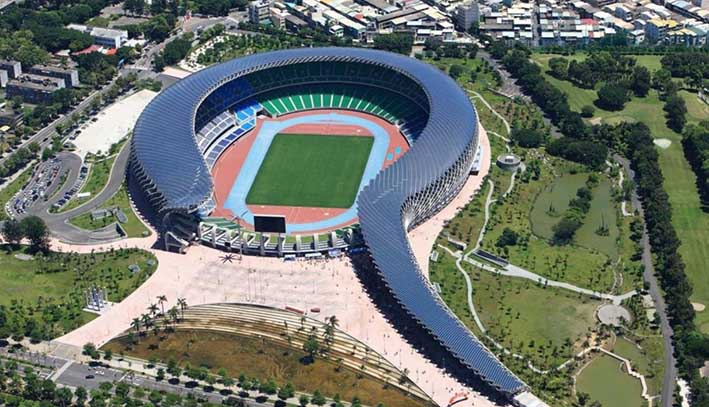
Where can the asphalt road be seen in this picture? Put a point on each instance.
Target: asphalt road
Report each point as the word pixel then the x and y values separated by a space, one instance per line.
pixel 89 377
pixel 58 222
pixel 670 379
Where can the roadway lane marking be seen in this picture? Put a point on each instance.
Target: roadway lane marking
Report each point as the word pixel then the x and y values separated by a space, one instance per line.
pixel 61 370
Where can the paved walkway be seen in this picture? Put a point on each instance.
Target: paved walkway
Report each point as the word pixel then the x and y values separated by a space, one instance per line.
pixel 514 271
pixel 485 102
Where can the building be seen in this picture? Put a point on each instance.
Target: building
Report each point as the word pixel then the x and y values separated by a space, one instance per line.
pixel 656 29
pixel 70 76
pixel 106 37
pixel 33 89
pixel 173 128
pixel 467 14
pixel 3 78
pixel 13 68
pixel 9 117
pixel 260 12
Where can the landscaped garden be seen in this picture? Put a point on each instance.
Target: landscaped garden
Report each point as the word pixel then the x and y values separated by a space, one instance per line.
pixel 133 226
pixel 604 380
pixel 42 295
pixel 257 361
pixel 688 217
pixel 561 220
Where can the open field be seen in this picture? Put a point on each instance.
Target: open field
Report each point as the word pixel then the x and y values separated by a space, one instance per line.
pixel 264 360
pixel 551 204
pixel 605 382
pixel 571 263
pixel 311 170
pixel 516 312
pixel 133 227
pixel 643 361
pixel 453 289
pixel 691 223
pixel 50 288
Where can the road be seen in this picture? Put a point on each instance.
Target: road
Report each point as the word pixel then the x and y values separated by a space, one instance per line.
pixel 70 373
pixel 58 222
pixel 670 379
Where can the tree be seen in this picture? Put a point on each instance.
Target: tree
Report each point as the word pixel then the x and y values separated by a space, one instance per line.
pixel 34 229
pixel 318 399
pixel 508 238
pixel 587 111
pixel 640 81
pixel 527 138
pixel 303 400
pixel 286 392
pixel 455 71
pixel 565 230
pixel 612 96
pixel 676 109
pixel 268 387
pixel 182 303
pixel 559 67
pixel 661 79
pixel 396 42
pixel 12 232
pixel 311 346
pixel 162 299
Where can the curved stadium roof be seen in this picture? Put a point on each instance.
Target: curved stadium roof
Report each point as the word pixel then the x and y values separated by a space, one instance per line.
pixel 164 143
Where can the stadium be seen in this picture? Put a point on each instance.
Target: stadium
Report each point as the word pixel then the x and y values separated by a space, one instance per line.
pixel 312 151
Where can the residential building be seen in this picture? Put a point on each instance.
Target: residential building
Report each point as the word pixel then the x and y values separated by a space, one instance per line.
pixel 657 28
pixel 467 14
pixel 33 89
pixel 9 117
pixel 260 12
pixel 70 76
pixel 13 68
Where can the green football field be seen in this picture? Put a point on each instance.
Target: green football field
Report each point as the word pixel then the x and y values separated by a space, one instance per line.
pixel 311 170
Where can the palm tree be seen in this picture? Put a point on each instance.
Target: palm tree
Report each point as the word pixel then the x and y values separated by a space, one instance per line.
pixel 333 321
pixel 174 314
pixel 136 325
pixel 146 320
pixel 153 309
pixel 182 303
pixel 162 299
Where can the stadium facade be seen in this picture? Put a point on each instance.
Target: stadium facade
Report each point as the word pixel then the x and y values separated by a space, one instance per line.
pixel 175 143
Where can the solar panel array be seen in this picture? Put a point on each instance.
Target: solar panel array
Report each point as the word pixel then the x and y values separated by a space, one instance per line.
pixel 403 195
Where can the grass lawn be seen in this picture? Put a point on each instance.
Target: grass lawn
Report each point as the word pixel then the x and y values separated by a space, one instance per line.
pixel 551 204
pixel 453 289
pixel 133 227
pixel 50 288
pixel 696 109
pixel 96 180
pixel 264 360
pixel 602 213
pixel 571 263
pixel 12 188
pixel 517 313
pixel 311 170
pixel 605 382
pixel 642 361
pixel 691 223
pixel 553 201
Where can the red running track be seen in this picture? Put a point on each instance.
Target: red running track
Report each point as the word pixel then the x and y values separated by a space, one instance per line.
pixel 227 167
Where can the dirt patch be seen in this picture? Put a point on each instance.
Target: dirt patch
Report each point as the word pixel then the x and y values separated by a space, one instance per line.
pixel 698 307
